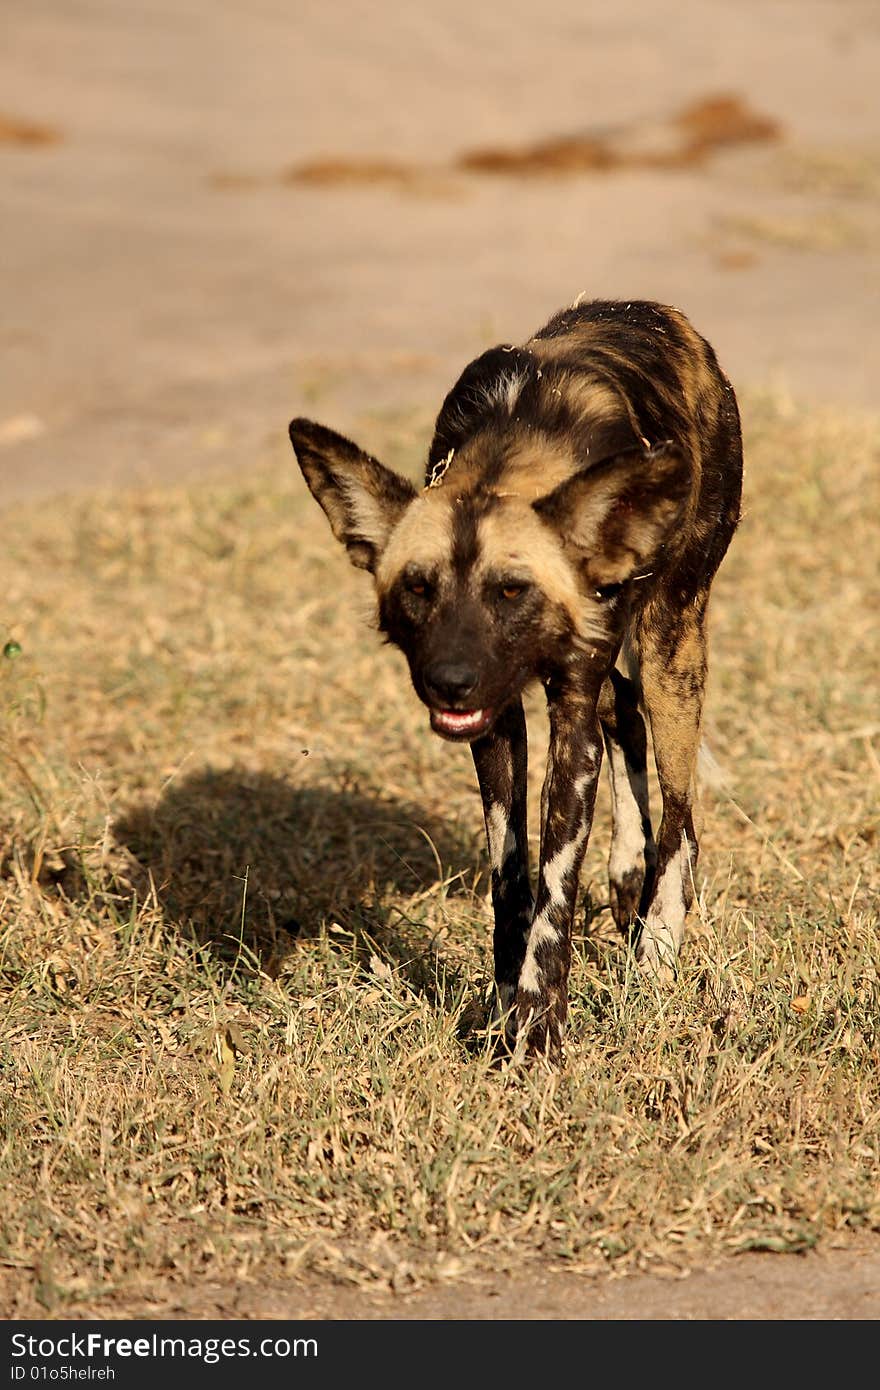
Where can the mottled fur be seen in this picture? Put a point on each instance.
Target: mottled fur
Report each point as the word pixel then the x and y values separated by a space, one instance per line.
pixel 581 491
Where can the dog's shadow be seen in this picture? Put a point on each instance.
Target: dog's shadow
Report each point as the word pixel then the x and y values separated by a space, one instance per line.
pixel 241 858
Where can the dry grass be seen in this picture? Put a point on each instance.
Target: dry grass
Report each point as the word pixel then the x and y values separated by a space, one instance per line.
pixel 246 938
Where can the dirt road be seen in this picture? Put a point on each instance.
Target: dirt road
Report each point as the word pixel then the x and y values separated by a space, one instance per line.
pixel 841 1284
pixel 170 298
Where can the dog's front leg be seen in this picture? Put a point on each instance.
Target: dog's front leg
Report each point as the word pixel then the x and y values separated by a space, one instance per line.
pixel 501 762
pixel 567 802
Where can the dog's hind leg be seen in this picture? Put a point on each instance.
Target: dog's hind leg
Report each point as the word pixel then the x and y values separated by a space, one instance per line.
pixel 673 670
pixel 501 762
pixel 633 855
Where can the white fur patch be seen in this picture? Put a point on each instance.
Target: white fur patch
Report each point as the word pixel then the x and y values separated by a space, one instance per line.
pixel 504 391
pixel 557 868
pixel 369 518
pixel 627 801
pixel 499 832
pixel 531 977
pixel 543 932
pixel 591 755
pixel 664 924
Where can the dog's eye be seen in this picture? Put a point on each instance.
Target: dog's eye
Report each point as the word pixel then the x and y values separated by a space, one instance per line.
pixel 419 587
pixel 608 592
pixel 512 591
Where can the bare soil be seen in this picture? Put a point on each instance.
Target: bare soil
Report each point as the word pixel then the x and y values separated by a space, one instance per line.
pixel 172 296
pixel 839 1284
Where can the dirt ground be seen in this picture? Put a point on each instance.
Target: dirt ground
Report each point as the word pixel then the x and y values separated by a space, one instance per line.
pixel 836 1285
pixel 173 291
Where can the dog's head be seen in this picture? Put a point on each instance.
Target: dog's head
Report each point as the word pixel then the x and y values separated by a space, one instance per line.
pixel 485 588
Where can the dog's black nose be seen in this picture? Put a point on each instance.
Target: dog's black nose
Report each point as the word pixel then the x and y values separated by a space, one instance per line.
pixel 449 682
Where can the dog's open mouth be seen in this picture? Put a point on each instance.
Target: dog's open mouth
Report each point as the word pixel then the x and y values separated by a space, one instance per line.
pixel 461 723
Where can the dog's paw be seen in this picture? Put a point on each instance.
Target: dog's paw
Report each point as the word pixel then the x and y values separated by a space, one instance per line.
pixel 539 1032
pixel 625 897
pixel 656 958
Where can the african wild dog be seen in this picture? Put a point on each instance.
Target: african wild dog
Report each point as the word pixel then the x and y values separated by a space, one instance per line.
pixel 581 492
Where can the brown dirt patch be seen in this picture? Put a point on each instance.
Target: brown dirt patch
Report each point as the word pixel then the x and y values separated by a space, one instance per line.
pixel 839 1285
pixel 689 137
pixel 17 132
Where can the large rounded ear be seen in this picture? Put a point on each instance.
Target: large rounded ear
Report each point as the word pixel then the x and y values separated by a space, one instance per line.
pixel 362 499
pixel 618 514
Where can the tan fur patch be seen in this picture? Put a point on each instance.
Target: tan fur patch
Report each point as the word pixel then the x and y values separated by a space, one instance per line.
pixel 673 707
pixel 515 541
pixel 593 398
pixel 368 517
pixel 423 536
pixel 512 540
pixel 566 346
pixel 535 467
